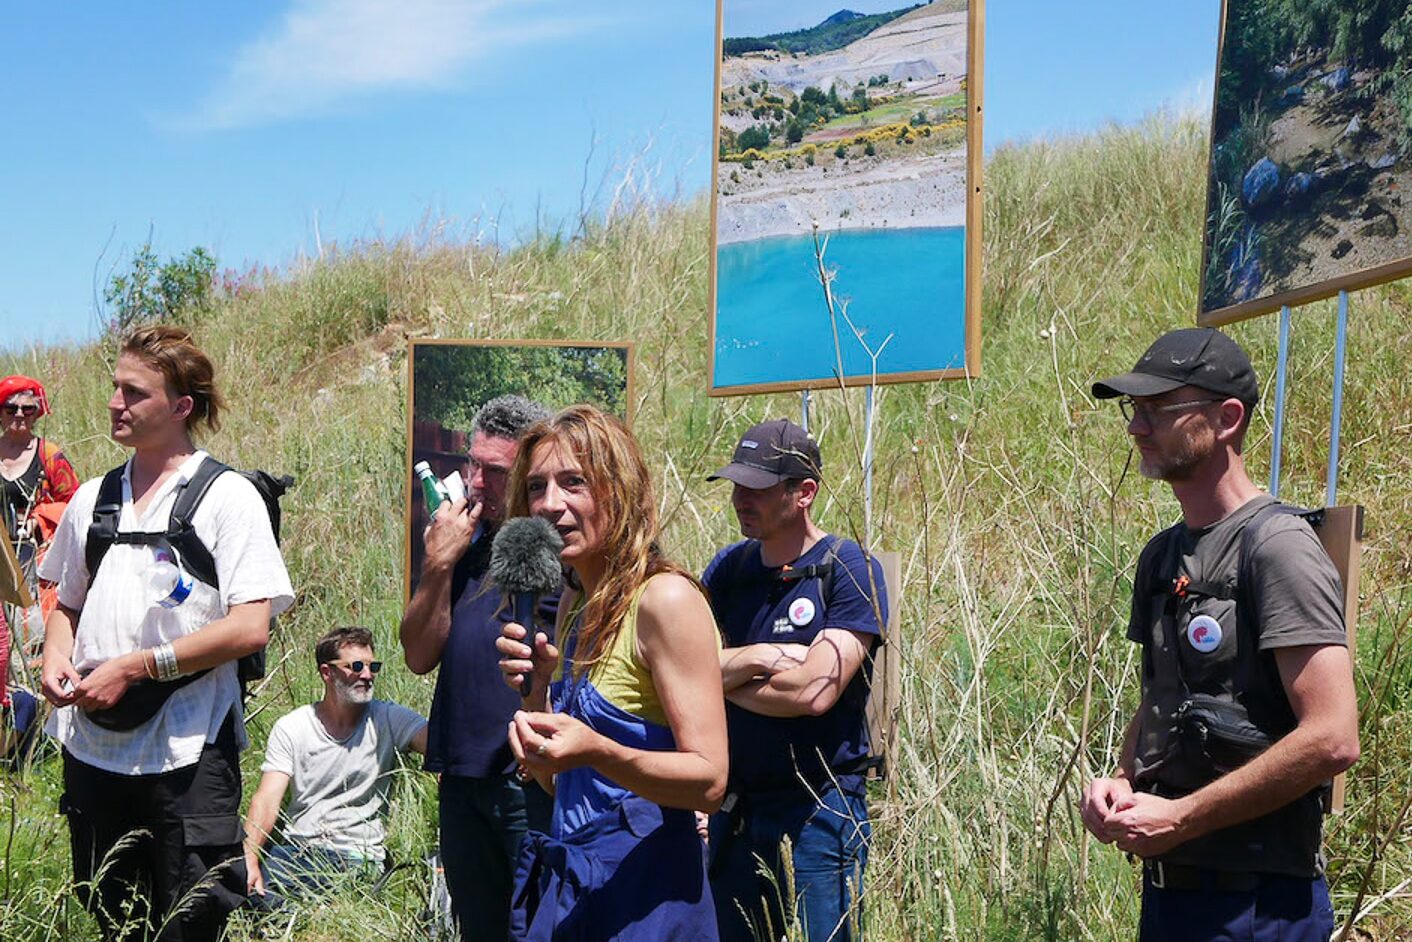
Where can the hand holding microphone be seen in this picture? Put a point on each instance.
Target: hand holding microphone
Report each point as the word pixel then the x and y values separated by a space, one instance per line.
pixel 524 563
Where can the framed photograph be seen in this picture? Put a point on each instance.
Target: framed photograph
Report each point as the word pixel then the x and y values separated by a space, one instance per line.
pixel 847 151
pixel 449 380
pixel 1311 154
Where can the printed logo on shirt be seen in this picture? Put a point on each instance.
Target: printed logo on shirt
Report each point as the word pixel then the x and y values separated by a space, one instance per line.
pixel 781 627
pixel 801 612
pixel 1204 633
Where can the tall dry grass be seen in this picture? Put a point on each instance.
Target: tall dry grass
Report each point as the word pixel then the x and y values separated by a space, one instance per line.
pixel 1006 497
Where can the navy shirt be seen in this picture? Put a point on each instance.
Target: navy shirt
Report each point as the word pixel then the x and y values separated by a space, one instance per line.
pixel 752 605
pixel 472 706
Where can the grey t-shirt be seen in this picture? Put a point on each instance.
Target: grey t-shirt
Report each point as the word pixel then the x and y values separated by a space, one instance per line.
pixel 339 786
pixel 1297 601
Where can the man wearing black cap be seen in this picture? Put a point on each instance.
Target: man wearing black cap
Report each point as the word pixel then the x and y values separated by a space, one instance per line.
pixel 800 611
pixel 1248 706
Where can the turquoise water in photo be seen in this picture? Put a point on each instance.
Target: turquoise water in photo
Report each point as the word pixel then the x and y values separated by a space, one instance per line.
pixel 772 324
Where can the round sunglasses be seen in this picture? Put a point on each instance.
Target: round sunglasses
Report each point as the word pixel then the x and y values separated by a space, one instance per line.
pixel 357 666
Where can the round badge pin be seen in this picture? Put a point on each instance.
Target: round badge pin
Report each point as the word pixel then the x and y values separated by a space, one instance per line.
pixel 1204 633
pixel 801 612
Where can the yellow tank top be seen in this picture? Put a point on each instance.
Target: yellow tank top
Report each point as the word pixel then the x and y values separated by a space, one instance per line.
pixel 620 675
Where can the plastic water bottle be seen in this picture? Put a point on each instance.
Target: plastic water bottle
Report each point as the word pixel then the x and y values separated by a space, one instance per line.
pixel 433 490
pixel 167 585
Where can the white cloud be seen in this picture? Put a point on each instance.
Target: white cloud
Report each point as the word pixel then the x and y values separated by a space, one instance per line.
pixel 324 51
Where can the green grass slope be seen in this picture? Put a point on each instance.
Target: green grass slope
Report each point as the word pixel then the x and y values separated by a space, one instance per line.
pixel 1006 497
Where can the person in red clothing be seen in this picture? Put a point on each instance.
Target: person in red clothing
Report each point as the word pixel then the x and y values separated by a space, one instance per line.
pixel 36 482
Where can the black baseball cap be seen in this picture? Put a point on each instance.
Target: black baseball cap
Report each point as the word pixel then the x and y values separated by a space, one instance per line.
pixel 1193 356
pixel 772 452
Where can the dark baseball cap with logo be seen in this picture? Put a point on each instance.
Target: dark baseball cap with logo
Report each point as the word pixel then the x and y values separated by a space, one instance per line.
pixel 772 452
pixel 1193 356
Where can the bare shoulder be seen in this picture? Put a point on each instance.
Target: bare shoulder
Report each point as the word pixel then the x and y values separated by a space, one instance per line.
pixel 670 601
pixel 666 591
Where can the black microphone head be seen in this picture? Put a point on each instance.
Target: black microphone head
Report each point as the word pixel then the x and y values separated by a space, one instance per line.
pixel 524 556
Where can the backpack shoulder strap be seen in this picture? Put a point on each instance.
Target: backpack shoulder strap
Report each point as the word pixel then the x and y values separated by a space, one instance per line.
pixel 827 575
pixel 1249 540
pixel 1249 537
pixel 195 557
pixel 103 528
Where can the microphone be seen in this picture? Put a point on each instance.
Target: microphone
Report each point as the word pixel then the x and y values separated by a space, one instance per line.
pixel 524 563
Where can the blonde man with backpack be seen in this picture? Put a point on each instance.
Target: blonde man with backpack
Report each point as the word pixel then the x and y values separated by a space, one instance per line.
pixel 140 657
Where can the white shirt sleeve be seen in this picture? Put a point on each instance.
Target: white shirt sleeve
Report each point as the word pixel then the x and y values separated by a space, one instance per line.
pixel 64 562
pixel 404 724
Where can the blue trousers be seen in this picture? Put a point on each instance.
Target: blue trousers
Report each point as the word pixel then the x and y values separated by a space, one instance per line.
pixel 1280 909
pixel 483 824
pixel 829 837
pixel 292 870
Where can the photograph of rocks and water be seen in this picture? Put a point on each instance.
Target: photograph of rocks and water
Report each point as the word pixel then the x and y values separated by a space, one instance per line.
pixel 854 127
pixel 1308 168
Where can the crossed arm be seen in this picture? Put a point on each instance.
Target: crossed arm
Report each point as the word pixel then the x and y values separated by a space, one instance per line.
pixel 794 679
pixel 1319 682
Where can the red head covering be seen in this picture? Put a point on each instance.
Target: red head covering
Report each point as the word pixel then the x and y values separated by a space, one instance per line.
pixel 19 384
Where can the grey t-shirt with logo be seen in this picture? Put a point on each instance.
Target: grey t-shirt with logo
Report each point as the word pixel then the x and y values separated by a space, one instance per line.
pixel 1192 646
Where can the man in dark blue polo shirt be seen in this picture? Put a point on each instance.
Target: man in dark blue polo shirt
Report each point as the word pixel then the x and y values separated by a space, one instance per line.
pixel 453 621
pixel 800 611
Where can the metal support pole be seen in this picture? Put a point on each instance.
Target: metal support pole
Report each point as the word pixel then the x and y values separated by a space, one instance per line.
pixel 1336 420
pixel 1277 445
pixel 868 472
pixel 805 398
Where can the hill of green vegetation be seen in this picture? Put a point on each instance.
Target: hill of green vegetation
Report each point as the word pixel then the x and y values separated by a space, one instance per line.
pixel 835 32
pixel 1007 497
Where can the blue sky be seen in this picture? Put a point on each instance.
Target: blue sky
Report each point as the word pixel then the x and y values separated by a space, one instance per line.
pixel 258 130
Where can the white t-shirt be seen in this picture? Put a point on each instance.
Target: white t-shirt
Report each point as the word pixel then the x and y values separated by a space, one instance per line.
pixel 339 786
pixel 116 616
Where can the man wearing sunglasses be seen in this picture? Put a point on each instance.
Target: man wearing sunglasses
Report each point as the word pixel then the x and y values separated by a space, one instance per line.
pixel 336 757
pixel 1248 707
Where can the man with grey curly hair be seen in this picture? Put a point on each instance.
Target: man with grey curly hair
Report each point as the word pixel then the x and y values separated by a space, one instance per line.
pixel 452 621
pixel 508 416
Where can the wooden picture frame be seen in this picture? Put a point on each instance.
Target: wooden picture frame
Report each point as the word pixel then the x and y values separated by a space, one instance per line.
pixel 500 367
pixel 1346 195
pixel 13 589
pixel 795 365
pixel 884 707
pixel 1340 530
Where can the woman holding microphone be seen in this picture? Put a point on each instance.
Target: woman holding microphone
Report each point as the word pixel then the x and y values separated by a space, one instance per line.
pixel 627 728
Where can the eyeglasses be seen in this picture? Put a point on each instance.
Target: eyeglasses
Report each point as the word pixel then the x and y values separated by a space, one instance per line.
pixel 357 666
pixel 1131 407
pixel 488 470
pixel 12 409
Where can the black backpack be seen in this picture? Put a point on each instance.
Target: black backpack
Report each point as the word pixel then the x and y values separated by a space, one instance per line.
pixel 195 558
